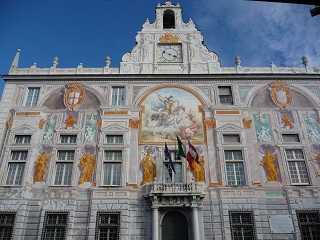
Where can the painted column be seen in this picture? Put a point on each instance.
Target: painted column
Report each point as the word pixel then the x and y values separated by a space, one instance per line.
pixel 195 221
pixel 155 223
pixel 133 152
pixel 210 124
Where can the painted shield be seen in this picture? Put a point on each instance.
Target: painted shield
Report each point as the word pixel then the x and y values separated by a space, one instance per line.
pixel 74 96
pixel 281 94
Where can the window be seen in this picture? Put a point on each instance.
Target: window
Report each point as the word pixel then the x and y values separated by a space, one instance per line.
pixel 108 226
pixel 68 139
pixel 16 166
pixel 231 138
pixel 112 167
pixel 114 139
pixel 234 168
pixel 290 138
pixel 22 139
pixel 242 225
pixel 225 95
pixel 297 166
pixel 309 224
pixel 55 226
pixel 176 177
pixel 64 167
pixel 118 96
pixel 168 19
pixel 6 225
pixel 32 96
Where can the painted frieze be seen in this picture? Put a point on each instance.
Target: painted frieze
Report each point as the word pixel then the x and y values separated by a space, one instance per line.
pixel 263 127
pixel 170 112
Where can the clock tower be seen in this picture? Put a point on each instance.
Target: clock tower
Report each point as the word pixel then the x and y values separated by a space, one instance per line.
pixel 169 45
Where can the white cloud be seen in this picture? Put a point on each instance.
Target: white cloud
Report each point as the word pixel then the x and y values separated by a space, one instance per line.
pixel 264 32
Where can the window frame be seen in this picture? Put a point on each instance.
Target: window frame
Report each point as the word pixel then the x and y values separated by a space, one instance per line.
pixel 290 133
pixel 112 162
pixel 232 226
pixel 223 134
pixel 65 225
pixel 114 134
pixel 68 134
pixel 300 224
pixel 113 87
pixel 175 161
pixel 58 161
pixel 98 226
pixel 243 161
pixel 8 225
pixel 21 135
pixel 305 161
pixel 19 162
pixel 232 95
pixel 27 95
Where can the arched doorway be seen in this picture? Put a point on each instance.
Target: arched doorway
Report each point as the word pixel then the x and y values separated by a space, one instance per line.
pixel 174 226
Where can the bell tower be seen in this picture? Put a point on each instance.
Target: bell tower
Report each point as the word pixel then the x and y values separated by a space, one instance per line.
pixel 169 45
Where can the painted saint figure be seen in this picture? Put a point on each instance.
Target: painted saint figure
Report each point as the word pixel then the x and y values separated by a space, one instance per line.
pixel 148 167
pixel 269 163
pixel 87 167
pixel 198 170
pixel 41 166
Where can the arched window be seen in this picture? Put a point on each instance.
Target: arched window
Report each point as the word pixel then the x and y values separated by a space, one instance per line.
pixel 168 19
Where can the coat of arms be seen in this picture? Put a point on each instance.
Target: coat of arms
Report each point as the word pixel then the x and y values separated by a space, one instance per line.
pixel 280 94
pixel 74 96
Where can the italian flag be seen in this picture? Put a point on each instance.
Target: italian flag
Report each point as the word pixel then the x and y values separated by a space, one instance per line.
pixel 192 156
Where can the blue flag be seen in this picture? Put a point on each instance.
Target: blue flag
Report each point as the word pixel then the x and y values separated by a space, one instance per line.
pixel 167 156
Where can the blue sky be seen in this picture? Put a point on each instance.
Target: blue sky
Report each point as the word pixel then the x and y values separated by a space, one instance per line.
pixel 88 30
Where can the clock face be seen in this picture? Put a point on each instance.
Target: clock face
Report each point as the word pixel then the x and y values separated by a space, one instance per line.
pixel 170 53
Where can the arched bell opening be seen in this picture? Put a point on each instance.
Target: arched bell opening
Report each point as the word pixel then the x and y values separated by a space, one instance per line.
pixel 169 19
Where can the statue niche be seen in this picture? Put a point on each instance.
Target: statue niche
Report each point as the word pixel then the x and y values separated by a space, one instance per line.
pixel 148 167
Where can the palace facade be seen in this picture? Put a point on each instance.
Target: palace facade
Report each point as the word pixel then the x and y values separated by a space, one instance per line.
pixel 83 149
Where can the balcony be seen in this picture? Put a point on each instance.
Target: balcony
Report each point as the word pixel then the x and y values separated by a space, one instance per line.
pixel 174 194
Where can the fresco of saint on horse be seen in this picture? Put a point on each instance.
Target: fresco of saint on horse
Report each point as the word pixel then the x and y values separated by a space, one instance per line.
pixel 169 112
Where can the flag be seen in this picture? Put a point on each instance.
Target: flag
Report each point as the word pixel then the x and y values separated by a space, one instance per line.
pixel 167 156
pixel 192 156
pixel 180 152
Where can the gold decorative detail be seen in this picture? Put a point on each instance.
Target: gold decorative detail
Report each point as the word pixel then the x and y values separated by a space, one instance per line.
pixel 198 170
pixel 41 123
pixel 169 38
pixel 281 94
pixel 87 167
pixel 247 122
pixel 134 123
pixel 28 114
pixel 227 112
pixel 210 123
pixel 74 96
pixel 269 163
pixel 286 120
pixel 148 167
pixel 115 113
pixel 41 166
pixel 70 121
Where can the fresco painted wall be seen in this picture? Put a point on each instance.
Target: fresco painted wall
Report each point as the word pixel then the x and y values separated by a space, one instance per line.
pixel 170 112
